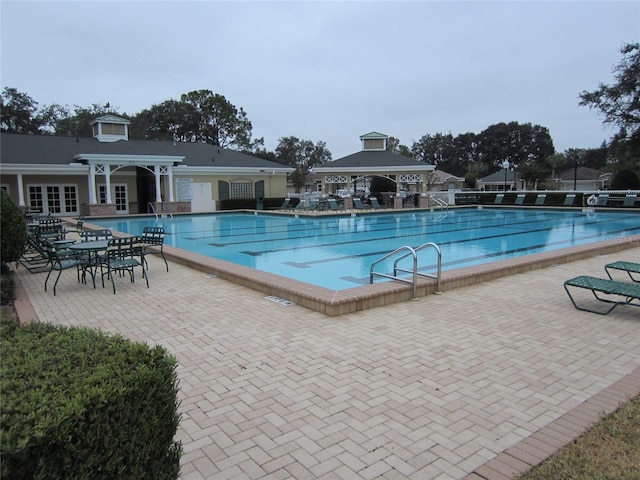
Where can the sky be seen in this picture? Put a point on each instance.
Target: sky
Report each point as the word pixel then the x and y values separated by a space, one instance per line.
pixel 329 71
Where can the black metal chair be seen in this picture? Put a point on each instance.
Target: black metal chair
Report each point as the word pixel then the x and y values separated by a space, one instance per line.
pixel 63 260
pixel 153 240
pixel 123 255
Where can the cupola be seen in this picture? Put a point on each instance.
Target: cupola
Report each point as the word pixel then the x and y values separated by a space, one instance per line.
pixel 110 128
pixel 374 141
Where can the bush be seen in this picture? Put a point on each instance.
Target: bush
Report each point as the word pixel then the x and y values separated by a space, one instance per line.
pixel 79 404
pixel 14 230
pixel 7 284
pixel 625 179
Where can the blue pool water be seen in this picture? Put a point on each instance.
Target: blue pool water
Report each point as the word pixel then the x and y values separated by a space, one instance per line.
pixel 336 252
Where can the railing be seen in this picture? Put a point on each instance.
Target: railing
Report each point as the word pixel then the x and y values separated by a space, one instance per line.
pixel 164 208
pixel 438 201
pixel 414 270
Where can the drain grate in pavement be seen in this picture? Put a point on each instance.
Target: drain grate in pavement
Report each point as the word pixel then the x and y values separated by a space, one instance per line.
pixel 279 300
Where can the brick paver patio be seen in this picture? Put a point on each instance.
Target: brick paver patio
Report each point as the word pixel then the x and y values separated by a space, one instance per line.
pixel 479 382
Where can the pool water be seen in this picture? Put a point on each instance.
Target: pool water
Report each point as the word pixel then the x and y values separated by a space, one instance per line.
pixel 336 252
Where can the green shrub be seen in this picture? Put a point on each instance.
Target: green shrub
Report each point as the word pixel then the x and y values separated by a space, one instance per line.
pixel 77 403
pixel 7 284
pixel 625 179
pixel 13 240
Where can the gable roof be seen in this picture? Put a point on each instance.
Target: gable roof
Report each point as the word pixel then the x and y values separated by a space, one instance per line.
pixel 498 177
pixel 373 135
pixel 582 173
pixel 375 158
pixel 57 150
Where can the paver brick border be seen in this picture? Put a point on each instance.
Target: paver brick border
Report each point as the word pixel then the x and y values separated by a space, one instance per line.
pixel 553 437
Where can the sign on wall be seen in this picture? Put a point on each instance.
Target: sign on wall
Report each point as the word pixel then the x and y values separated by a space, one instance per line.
pixel 184 189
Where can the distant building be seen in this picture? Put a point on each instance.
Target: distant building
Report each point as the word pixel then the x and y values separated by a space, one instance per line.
pixel 354 172
pixel 580 179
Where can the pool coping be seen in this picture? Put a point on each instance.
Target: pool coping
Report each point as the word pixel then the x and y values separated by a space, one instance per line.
pixel 339 302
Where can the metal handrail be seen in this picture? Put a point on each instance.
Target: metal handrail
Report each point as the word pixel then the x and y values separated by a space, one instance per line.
pixel 393 277
pixel 414 271
pixel 437 276
pixel 153 210
pixel 441 203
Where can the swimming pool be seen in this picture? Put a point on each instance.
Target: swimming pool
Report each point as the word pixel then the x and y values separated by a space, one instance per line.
pixel 336 251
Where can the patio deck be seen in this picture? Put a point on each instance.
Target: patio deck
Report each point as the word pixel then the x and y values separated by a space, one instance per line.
pixel 479 382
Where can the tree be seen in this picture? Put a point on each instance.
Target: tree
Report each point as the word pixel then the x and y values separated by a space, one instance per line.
pixel 393 145
pixel 620 102
pixel 302 155
pixel 14 230
pixel 19 112
pixel 625 179
pixel 199 116
pixel 219 122
pixel 77 124
pixel 434 149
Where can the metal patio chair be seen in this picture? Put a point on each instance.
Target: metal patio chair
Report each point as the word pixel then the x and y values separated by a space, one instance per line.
pixel 123 255
pixel 153 241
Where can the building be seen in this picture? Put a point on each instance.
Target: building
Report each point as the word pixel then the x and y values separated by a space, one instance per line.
pixel 353 172
pixel 580 179
pixel 110 174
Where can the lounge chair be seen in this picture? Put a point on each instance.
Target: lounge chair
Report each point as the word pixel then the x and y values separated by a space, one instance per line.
pixel 358 203
pixel 78 229
pixel 374 203
pixel 629 267
pixel 629 200
pixel 94 235
pixel 153 240
pixel 540 199
pixel 627 292
pixel 499 198
pixel 569 200
pixel 333 205
pixel 520 199
pixel 285 204
pixel 299 206
pixel 314 205
pixel 602 200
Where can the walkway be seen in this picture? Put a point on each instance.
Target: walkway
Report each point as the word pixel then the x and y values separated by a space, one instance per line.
pixel 487 378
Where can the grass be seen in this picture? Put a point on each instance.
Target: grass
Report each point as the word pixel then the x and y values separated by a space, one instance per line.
pixel 610 450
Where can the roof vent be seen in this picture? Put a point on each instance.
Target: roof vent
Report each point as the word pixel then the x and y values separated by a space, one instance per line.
pixel 374 141
pixel 110 128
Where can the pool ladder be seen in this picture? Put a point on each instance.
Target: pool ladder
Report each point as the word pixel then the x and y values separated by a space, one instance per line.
pixel 439 202
pixel 413 252
pixel 153 209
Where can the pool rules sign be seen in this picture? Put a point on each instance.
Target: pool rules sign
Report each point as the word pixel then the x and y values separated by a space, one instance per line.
pixel 184 189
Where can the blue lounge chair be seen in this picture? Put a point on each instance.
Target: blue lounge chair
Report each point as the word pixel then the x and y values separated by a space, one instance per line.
pixel 540 199
pixel 520 199
pixel 629 267
pixel 569 200
pixel 499 198
pixel 374 203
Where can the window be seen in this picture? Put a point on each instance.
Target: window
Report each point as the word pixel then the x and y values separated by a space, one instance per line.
pixel 112 129
pixel 119 196
pixel 242 189
pixel 55 199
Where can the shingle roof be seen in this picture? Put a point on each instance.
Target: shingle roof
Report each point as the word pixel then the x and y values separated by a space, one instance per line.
pixel 55 150
pixel 374 158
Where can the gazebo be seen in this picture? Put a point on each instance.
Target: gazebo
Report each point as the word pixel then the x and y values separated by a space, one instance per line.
pixel 408 174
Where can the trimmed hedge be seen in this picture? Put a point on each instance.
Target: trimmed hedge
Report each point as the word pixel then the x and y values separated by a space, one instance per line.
pixel 78 403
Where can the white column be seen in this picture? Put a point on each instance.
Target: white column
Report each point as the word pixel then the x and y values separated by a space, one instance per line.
pixel 93 199
pixel 156 173
pixel 107 181
pixel 170 177
pixel 21 201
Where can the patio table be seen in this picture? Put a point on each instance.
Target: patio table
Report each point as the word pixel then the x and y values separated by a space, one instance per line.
pixel 92 249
